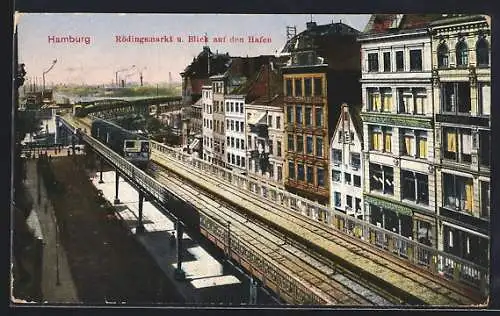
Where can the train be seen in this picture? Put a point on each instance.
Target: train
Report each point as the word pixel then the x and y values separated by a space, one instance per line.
pixel 130 145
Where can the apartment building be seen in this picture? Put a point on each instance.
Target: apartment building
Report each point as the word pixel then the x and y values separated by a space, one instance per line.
pixel 323 73
pixel 346 164
pixel 219 88
pixel 207 118
pixel 235 133
pixel 462 87
pixel 397 116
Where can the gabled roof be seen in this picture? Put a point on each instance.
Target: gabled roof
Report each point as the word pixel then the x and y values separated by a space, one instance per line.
pixel 355 117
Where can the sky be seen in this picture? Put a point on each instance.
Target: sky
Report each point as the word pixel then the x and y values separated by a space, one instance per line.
pixel 97 60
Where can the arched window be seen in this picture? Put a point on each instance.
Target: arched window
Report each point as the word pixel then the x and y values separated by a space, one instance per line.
pixel 482 52
pixel 442 53
pixel 462 54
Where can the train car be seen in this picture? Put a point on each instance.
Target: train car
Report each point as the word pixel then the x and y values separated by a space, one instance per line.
pixel 133 147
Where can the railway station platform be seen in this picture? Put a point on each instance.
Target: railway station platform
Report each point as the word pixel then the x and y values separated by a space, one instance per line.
pixel 207 282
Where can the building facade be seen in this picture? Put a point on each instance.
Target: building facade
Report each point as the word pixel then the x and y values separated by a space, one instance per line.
pixel 397 118
pixel 207 130
pixel 323 73
pixel 346 165
pixel 462 88
pixel 219 88
pixel 235 133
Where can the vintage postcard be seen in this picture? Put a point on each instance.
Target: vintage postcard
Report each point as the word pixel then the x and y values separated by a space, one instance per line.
pixel 325 160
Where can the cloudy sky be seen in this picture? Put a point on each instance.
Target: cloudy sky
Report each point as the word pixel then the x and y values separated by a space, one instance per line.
pixel 97 61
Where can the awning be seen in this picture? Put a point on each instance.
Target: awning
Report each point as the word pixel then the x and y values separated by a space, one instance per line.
pixel 259 118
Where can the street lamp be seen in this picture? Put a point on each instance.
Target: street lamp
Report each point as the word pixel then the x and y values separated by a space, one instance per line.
pixel 43 76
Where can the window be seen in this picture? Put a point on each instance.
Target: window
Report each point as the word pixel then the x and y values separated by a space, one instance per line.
pixel 347 178
pixel 415 187
pixel 462 54
pixel 336 175
pixel 381 138
pixel 355 160
pixel 308 114
pixel 442 54
pixel 415 60
pixel 309 174
pixel 232 125
pixel 288 87
pixel 291 170
pixel 484 98
pixel 482 52
pixel 271 170
pixel 291 146
pixel 278 122
pixel 387 61
pixel 309 145
pixel 400 61
pixel 271 147
pixel 386 94
pixel 241 127
pixel 358 205
pixel 308 87
pixel 337 156
pixel 458 192
pixel 457 144
pixel 484 147
pixel 289 114
pixel 298 87
pixel 228 158
pixel 249 142
pixel 270 121
pixel 321 177
pixel 319 146
pixel 298 114
pixel 484 196
pixel 300 172
pixel 237 143
pixel 421 144
pixel 300 144
pixel 319 116
pixel 374 103
pixel 373 62
pixel 318 87
pixel 228 139
pixel 232 106
pixel 420 100
pixel 337 199
pixel 381 179
pixel 348 201
pixel 408 142
pixel 237 126
pixel 279 172
pixel 242 143
pixel 456 97
pixel 278 148
pixel 357 181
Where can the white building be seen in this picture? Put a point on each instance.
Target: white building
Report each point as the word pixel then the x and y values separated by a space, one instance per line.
pixel 207 121
pixel 235 132
pixel 265 134
pixel 397 115
pixel 346 164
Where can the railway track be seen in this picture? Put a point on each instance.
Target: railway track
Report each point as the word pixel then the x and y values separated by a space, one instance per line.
pixel 340 288
pixel 414 285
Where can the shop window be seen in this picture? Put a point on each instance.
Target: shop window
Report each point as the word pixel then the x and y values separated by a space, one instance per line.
pixel 482 52
pixel 373 62
pixel 458 193
pixel 387 61
pixel 442 53
pixel 462 54
pixel 415 60
pixel 381 179
pixel 400 61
